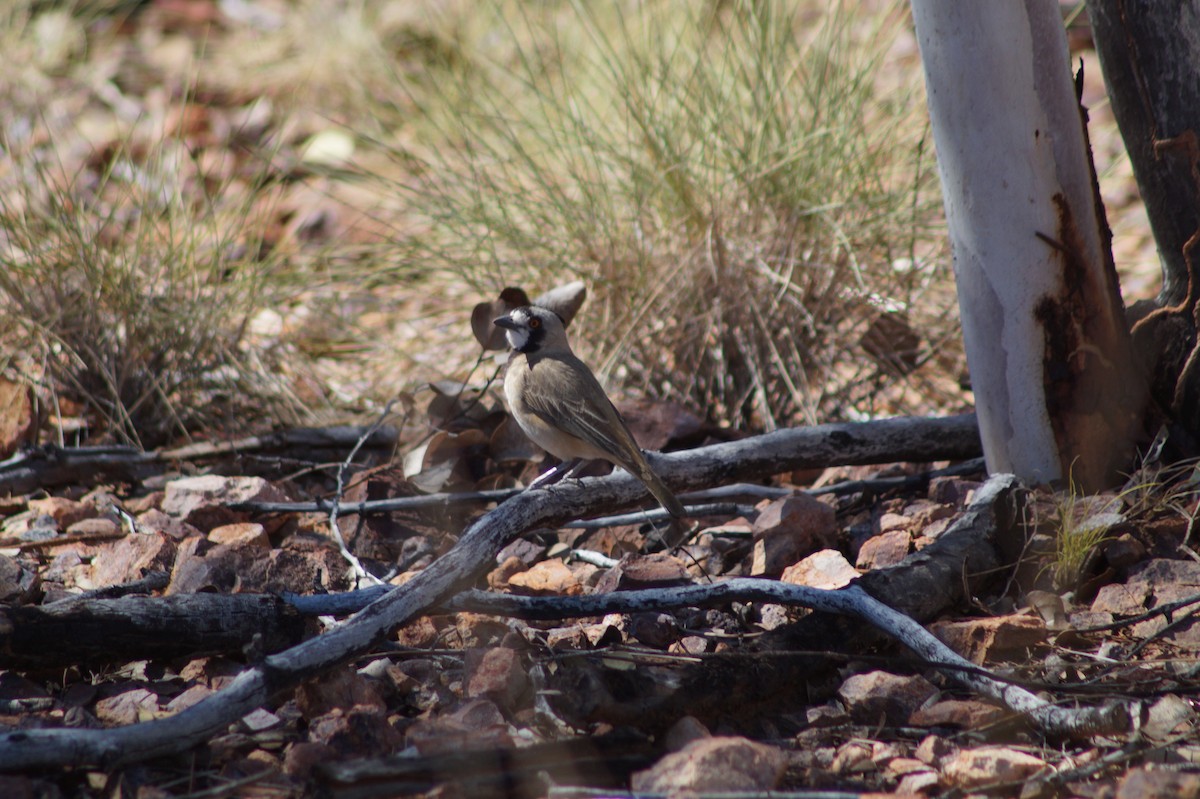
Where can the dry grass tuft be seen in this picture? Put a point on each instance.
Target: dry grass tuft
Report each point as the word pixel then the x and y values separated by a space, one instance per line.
pixel 729 178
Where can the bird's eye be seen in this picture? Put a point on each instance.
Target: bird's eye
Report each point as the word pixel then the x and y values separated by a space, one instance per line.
pixel 535 323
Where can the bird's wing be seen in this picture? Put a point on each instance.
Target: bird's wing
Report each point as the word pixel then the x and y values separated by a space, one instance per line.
pixel 579 406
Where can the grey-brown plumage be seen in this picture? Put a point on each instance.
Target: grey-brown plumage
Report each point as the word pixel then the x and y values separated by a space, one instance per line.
pixel 560 404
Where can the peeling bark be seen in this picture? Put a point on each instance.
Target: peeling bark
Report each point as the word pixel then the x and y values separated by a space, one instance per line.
pixel 1057 390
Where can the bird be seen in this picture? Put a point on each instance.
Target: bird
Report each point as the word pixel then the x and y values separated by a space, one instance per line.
pixel 560 405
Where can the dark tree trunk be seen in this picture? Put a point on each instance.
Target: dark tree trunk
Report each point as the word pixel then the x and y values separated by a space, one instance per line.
pixel 1148 52
pixel 1149 55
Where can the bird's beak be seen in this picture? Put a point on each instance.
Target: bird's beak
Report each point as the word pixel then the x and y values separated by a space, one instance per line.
pixel 505 322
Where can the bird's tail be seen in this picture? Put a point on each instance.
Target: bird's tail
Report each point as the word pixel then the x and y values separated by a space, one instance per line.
pixel 665 497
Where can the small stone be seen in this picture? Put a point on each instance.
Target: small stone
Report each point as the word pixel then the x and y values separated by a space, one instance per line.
pixel 963 714
pixel 994 638
pixel 201 501
pixel 240 534
pixel 825 569
pixel 550 577
pixel 879 696
pixel 65 512
pixel 714 764
pixel 985 765
pixel 788 529
pixel 933 749
pixel 99 527
pixel 884 550
pixel 1159 784
pixel 497 674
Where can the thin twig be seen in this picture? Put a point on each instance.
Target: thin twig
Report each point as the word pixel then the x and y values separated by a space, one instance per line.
pixel 359 572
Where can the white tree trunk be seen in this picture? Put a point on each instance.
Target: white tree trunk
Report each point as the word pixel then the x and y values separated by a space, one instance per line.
pixel 1056 390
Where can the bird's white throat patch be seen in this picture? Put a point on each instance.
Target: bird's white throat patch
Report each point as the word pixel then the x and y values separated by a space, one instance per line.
pixel 517 339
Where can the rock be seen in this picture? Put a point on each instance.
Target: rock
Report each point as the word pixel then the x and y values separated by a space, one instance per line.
pixel 18 582
pixel 984 765
pixel 994 638
pixel 1158 784
pixel 788 529
pixel 853 757
pixel 548 578
pixel 240 534
pixel 65 512
pixel 18 417
pixel 348 733
pixel 1123 551
pixel 475 724
pixel 657 570
pixel 825 569
pixel 918 783
pixel 963 714
pixel 201 501
pixel 499 576
pixel 497 674
pixel 131 557
pixel 683 732
pixel 342 687
pixel 1125 600
pixel 952 491
pixel 883 550
pixel 303 756
pixel 714 764
pixel 155 520
pixel 879 697
pixel 933 749
pixel 128 707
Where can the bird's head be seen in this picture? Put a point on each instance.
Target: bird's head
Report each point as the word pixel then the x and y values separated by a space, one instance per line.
pixel 531 328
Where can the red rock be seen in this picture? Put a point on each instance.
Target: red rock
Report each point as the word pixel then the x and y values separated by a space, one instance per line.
pixel 933 749
pixel 130 557
pixel 498 674
pixel 354 731
pixel 97 528
pixel 985 765
pixel 964 714
pixel 657 570
pixel 340 688
pixel 715 764
pixel 853 757
pixel 825 569
pixel 475 724
pixel 128 707
pixel 890 522
pixel 240 534
pixel 1119 598
pixel 788 529
pixel 201 501
pixel 65 512
pixel 994 638
pixel 18 417
pixel 1158 784
pixel 884 550
pixel 499 576
pixel 302 757
pixel 683 732
pixel 548 578
pixel 879 697
pixel 18 582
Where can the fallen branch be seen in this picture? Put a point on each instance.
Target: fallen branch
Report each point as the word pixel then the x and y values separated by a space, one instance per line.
pixel 912 440
pixel 51 465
